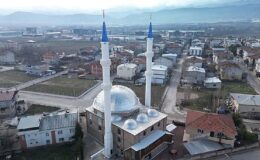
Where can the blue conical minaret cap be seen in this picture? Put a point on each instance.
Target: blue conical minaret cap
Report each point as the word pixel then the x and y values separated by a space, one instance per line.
pixel 150 31
pixel 104 33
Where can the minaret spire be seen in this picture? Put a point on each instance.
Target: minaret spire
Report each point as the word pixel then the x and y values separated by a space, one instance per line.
pixel 148 73
pixel 106 86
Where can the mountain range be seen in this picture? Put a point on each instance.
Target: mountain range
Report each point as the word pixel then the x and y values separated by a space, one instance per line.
pixel 229 13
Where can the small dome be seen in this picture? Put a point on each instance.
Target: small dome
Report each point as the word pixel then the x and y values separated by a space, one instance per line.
pixel 152 113
pixel 142 118
pixel 116 118
pixel 130 124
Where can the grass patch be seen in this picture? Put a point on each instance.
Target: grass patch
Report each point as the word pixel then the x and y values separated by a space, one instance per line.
pixel 62 152
pixel 211 98
pixel 12 78
pixel 63 85
pixel 38 109
pixel 157 92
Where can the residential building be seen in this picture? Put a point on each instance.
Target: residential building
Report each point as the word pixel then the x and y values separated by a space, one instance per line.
pixel 212 82
pixel 230 71
pixel 195 75
pixel 7 57
pixel 219 128
pixel 160 74
pixel 164 61
pixel 47 129
pixel 221 56
pixel 126 71
pixel 140 62
pixel 194 61
pixel 246 105
pixel 39 69
pixel 8 103
pixel 195 51
pixel 171 56
pixel 50 58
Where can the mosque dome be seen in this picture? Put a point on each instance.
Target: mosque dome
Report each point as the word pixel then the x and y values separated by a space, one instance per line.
pixel 123 100
pixel 130 124
pixel 142 118
pixel 152 113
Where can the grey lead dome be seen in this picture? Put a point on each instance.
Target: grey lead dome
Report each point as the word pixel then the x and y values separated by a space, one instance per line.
pixel 123 99
pixel 130 124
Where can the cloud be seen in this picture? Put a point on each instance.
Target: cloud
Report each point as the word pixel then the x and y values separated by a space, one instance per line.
pixel 95 5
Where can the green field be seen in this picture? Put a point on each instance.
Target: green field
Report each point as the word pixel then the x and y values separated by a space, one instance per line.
pixel 63 85
pixel 63 152
pixel 39 109
pixel 157 92
pixel 12 78
pixel 208 98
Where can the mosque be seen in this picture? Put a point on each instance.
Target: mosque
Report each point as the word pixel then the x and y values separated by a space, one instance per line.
pixel 117 119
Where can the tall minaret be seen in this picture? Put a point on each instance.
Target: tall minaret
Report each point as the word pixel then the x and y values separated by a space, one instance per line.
pixel 148 73
pixel 106 86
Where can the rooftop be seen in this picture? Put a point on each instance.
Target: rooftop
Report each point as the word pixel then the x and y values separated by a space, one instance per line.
pixel 246 99
pixel 212 80
pixel 197 69
pixel 211 122
pixel 128 65
pixel 159 67
pixel 202 145
pixel 7 96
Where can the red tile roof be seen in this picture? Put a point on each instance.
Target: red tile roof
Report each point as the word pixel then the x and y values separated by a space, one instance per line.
pixel 211 122
pixel 7 96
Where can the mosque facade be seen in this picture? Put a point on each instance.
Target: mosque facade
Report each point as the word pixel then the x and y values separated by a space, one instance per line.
pixel 117 119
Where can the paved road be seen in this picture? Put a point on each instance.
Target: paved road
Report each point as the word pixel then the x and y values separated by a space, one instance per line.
pixel 243 155
pixel 35 81
pixel 169 104
pixel 251 78
pixel 80 102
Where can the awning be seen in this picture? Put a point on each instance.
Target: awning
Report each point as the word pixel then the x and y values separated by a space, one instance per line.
pixel 148 140
pixel 204 145
pixel 170 127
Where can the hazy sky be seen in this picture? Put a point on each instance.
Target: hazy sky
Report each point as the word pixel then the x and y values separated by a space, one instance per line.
pixel 96 5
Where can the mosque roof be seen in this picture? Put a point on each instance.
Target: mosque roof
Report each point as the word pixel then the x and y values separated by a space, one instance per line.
pixel 123 100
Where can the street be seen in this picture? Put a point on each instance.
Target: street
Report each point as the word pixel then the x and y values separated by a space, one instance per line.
pixel 83 101
pixel 253 154
pixel 169 104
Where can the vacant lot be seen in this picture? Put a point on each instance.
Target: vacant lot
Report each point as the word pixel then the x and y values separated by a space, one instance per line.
pixel 63 85
pixel 39 109
pixel 157 92
pixel 63 152
pixel 212 98
pixel 12 78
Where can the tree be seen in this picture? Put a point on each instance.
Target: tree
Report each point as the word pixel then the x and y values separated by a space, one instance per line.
pixel 79 147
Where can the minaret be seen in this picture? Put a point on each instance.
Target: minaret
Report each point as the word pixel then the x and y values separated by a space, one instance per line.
pixel 148 73
pixel 106 86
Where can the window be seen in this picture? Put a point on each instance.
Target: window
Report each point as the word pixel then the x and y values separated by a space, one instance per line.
pixel 90 121
pixel 61 139
pixel 211 134
pixel 200 130
pixel 144 133
pixel 118 139
pixel 159 123
pixel 99 128
pixel 220 134
pixel 48 141
pixel 71 130
pixel 152 128
pixel 119 131
pixel 47 134
pixel 60 132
